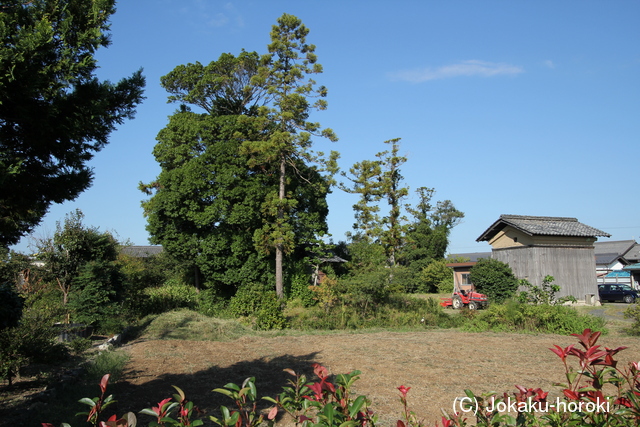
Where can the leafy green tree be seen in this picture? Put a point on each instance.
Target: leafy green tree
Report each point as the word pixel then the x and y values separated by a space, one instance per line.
pixel 414 244
pixel 208 204
pixel 285 73
pixel 436 277
pixel 427 236
pixel 10 306
pixel 54 113
pixel 494 278
pixel 81 261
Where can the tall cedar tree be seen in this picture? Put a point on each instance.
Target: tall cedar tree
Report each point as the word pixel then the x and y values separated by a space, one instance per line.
pixel 374 181
pixel 54 113
pixel 285 74
pixel 416 242
pixel 208 201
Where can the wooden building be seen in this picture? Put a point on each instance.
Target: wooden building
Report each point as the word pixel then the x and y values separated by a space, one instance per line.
pixel 537 246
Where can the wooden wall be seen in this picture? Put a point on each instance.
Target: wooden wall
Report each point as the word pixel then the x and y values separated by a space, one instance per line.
pixel 572 267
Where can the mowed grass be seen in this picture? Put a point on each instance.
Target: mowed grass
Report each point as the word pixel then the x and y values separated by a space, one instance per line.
pixel 190 325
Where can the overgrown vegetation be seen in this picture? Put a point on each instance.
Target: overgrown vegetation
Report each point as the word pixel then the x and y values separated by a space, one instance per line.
pixel 514 316
pixel 633 313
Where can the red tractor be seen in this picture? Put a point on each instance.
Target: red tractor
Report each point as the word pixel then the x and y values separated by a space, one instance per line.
pixel 465 298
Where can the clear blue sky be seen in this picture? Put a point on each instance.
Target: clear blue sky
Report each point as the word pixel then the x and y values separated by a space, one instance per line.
pixel 504 107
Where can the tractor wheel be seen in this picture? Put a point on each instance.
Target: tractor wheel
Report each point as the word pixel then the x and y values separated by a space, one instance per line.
pixel 472 305
pixel 628 299
pixel 456 303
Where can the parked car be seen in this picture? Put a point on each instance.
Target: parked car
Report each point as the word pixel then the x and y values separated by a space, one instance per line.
pixel 617 292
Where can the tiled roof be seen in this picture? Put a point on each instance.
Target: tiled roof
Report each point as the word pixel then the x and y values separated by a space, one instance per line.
pixel 633 254
pixel 141 251
pixel 606 259
pixel 619 247
pixel 542 226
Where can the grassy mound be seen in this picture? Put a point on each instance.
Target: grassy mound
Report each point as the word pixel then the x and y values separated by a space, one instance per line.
pixel 190 325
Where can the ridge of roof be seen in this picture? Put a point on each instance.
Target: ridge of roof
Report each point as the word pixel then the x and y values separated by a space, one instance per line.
pixel 542 226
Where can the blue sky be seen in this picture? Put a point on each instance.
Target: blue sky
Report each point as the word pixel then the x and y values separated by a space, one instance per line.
pixel 504 107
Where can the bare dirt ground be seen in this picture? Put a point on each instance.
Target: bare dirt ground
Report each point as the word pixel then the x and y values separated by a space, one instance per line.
pixel 438 365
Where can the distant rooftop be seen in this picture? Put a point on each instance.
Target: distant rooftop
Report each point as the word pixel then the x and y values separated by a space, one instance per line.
pixel 142 251
pixel 472 257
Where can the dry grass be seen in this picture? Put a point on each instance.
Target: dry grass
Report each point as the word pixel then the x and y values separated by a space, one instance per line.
pixel 437 364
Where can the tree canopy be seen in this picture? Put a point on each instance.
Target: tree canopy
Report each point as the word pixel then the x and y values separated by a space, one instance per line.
pixel 409 236
pixel 55 114
pixel 210 203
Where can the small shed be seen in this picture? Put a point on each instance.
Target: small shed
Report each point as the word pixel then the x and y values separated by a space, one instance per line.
pixel 539 246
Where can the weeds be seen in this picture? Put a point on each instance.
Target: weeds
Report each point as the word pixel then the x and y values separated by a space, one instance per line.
pixel 107 362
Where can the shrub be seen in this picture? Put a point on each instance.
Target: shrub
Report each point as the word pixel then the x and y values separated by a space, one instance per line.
pixel 32 341
pixel 211 304
pixel 108 362
pixel 494 278
pixel 299 288
pixel 436 276
pixel 633 313
pixel 518 317
pixel 399 311
pixel 366 291
pixel 543 294
pixel 174 294
pixel 80 345
pixel 10 306
pixel 260 306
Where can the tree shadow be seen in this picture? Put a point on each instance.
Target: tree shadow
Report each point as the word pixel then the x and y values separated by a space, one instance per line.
pixel 62 405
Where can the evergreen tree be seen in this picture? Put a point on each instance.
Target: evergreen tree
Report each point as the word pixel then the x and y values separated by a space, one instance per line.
pixel 54 113
pixel 211 199
pixel 284 73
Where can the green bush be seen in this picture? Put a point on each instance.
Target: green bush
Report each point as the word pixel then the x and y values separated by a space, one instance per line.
pixel 436 276
pixel 33 340
pixel 108 362
pixel 514 316
pixel 366 291
pixel 80 345
pixel 259 305
pixel 299 289
pixel 10 306
pixel 172 295
pixel 633 313
pixel 211 304
pixel 398 312
pixel 495 279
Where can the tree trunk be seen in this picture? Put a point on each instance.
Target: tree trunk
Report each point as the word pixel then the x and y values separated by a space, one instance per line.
pixel 279 245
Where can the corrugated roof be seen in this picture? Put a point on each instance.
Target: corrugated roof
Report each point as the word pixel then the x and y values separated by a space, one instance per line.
pixel 542 226
pixel 619 273
pixel 632 267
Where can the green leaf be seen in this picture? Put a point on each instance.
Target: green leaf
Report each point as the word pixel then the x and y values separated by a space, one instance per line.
pixel 223 391
pixel 88 401
pixel 232 386
pixel 356 406
pixel 148 411
pixel 181 396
